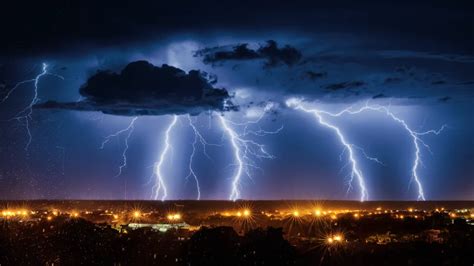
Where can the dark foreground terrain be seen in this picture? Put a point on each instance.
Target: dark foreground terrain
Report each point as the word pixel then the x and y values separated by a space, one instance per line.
pixel 234 235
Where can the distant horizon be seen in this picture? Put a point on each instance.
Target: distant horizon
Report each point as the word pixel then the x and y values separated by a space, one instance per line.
pixel 240 200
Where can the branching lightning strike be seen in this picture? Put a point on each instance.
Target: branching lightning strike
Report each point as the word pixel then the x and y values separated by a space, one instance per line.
pixel 160 186
pixel 25 115
pixel 413 134
pixel 245 150
pixel 130 128
pixel 197 137
pixel 356 172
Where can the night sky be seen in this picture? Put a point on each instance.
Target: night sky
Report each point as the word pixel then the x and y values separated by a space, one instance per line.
pixel 111 61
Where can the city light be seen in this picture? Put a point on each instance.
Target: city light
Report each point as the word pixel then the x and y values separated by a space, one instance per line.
pixel 174 217
pixel 335 239
pixel 317 213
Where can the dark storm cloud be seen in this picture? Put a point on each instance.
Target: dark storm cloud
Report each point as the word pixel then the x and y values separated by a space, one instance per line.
pixel 428 56
pixel 144 89
pixel 270 52
pixel 360 72
pixel 345 85
pixel 444 99
pixel 312 75
pixel 392 80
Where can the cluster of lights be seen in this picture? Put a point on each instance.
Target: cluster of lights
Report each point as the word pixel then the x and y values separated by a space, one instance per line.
pixel 11 213
pixel 174 217
pixel 318 213
pixel 335 239
pixel 245 213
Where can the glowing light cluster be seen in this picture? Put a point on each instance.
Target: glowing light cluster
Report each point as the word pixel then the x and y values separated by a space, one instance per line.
pixel 335 239
pixel 243 213
pixel 13 213
pixel 174 217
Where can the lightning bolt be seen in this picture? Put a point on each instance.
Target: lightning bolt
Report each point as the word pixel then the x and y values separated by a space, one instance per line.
pixel 197 137
pixel 191 170
pixel 24 115
pixel 244 150
pixel 130 128
pixel 160 186
pixel 234 139
pixel 355 170
pixel 415 136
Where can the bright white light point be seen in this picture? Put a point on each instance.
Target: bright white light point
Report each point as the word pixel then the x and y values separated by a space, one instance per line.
pixel 159 179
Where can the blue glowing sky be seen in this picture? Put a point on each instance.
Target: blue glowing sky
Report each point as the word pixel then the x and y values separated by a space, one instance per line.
pixel 346 55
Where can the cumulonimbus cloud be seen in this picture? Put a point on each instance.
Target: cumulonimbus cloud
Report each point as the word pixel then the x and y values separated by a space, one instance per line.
pixel 144 89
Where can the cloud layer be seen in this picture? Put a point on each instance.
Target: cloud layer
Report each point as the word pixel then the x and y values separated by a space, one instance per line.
pixel 144 89
pixel 270 52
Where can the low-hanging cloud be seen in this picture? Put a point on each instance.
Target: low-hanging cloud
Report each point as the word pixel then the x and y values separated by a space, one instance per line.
pixel 144 89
